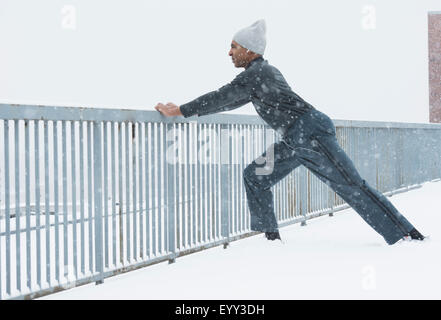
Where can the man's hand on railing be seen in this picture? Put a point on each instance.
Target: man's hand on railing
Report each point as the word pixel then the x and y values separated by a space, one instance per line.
pixel 169 109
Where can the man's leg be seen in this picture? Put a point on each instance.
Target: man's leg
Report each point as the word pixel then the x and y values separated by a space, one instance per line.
pixel 322 154
pixel 258 181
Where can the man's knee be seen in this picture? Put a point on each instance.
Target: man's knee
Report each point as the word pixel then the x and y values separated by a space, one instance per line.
pixel 249 173
pixel 253 178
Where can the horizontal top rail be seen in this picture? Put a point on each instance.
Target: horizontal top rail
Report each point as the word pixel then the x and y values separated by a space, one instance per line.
pixel 56 113
pixel 52 113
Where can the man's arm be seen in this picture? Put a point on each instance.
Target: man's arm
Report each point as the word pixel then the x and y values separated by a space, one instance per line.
pixel 229 97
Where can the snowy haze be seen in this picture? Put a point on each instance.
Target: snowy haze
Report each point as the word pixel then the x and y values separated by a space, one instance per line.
pixel 352 59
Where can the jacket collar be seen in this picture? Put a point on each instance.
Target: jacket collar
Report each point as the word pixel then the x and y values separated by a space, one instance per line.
pixel 254 61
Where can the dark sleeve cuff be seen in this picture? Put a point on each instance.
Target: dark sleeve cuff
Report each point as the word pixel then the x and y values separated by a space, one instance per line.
pixel 187 110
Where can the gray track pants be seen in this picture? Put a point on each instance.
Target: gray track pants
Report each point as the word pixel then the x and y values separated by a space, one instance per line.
pixel 311 141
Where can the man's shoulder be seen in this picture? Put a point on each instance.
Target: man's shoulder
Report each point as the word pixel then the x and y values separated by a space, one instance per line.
pixel 261 67
pixel 259 71
pixel 263 70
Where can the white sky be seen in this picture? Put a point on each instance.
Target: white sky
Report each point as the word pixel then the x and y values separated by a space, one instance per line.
pixel 331 258
pixel 134 54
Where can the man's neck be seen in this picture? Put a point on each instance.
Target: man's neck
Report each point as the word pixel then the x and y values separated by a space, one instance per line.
pixel 253 60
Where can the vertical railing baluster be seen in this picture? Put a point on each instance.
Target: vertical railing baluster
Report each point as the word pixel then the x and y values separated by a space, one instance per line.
pixel 188 184
pixel 181 176
pixel 82 196
pixel 237 182
pixel 56 207
pixel 246 163
pixel 159 185
pixel 98 200
pixel 214 194
pixel 37 198
pixel 154 152
pixel 303 194
pixel 175 142
pixel 134 191
pixel 28 206
pixel 207 155
pixel 213 167
pixel 171 198
pixel 240 161
pixel 194 148
pixel 213 158
pixel 127 186
pixel 203 182
pixel 46 202
pixel 206 183
pixel 230 180
pixel 181 179
pixel 65 216
pixel 90 194
pixel 219 182
pixel 233 212
pixel 236 162
pixel 250 150
pixel 224 182
pixel 17 206
pixel 119 126
pixel 105 193
pixel 73 162
pixel 147 153
pixel 286 194
pixel 163 216
pixel 140 205
pixel 240 182
pixel 217 191
pixel 198 184
pixel 276 196
pixel 113 131
pixel 7 208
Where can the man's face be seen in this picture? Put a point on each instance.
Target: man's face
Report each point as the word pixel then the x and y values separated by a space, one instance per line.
pixel 239 55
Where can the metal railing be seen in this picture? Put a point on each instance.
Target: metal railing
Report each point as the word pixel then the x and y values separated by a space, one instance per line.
pixel 89 193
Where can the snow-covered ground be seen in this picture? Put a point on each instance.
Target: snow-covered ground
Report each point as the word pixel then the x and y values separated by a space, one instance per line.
pixel 336 257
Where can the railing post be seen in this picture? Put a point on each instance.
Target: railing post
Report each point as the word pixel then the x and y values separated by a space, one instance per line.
pixel 303 194
pixel 171 203
pixel 331 203
pixel 225 191
pixel 98 198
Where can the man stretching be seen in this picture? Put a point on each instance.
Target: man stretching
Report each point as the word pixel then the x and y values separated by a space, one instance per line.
pixel 308 138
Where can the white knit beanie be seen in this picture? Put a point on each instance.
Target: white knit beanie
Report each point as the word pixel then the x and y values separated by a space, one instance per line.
pixel 253 37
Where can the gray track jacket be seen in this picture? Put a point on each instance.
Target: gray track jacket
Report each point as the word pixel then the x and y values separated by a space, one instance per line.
pixel 261 84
